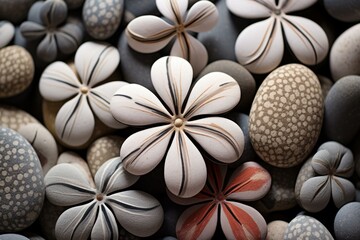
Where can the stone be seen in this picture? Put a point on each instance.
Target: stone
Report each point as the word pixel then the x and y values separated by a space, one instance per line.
pixel 12 236
pixel 276 230
pixel 48 217
pixel 326 85
pixel 15 118
pixel 346 223
pixel 74 4
pixel 20 7
pixel 141 7
pixel 346 10
pixel 7 32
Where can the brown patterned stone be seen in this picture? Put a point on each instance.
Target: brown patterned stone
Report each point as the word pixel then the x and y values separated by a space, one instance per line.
pixel 14 118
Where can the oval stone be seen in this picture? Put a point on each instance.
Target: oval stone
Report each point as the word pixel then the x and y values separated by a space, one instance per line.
pixel 345 10
pixel 286 115
pixel 15 118
pixel 276 230
pixel 22 188
pixel 346 223
pixel 7 32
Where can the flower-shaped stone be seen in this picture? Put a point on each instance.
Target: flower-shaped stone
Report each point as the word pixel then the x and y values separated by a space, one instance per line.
pixel 218 202
pixel 260 46
pixel 53 31
pixel 149 34
pixel 332 163
pixel 185 170
pixel 75 120
pixel 95 211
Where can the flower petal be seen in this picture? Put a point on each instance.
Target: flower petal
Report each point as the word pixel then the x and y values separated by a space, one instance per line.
pixel 75 122
pixel 239 221
pixel 148 34
pixel 191 49
pixel 138 212
pixel 105 226
pixel 185 169
pixel 66 185
pixel 249 182
pixel 53 13
pixel 134 104
pixel 222 138
pixel 307 40
pixel 99 99
pixel 32 30
pixel 76 222
pixel 197 222
pixel 202 17
pixel 251 8
pixel 320 162
pixel 295 5
pixel 95 62
pixel 47 48
pixel 260 46
pixel 142 151
pixel 214 93
pixel 174 10
pixel 68 38
pixel 58 82
pixel 343 191
pixel 172 77
pixel 112 177
pixel 315 193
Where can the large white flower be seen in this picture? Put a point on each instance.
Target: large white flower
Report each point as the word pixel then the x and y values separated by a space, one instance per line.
pixel 183 119
pixel 260 46
pixel 75 120
pixel 149 34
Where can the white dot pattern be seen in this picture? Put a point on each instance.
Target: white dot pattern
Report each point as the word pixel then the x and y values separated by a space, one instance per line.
pixel 13 118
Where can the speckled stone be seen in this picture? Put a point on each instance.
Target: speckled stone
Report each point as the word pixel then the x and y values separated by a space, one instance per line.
pixel 14 118
pixel 276 230
pixel 286 115
pixel 22 188
pixel 7 32
pixel 102 18
pixel 16 70
pixel 12 236
pixel 346 223
pixel 20 7
pixel 306 227
pixel 306 172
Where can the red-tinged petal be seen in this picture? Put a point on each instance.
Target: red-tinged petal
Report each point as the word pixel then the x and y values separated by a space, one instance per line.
pixel 248 183
pixel 197 222
pixel 215 177
pixel 239 221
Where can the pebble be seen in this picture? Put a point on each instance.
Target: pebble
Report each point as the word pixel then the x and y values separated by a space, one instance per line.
pixel 276 230
pixel 141 7
pixel 15 118
pixel 20 7
pixel 326 85
pixel 13 236
pixel 346 223
pixel 286 115
pixel 22 189
pixel 345 10
pixel 345 53
pixel 7 32
pixel 342 115
pixel 306 172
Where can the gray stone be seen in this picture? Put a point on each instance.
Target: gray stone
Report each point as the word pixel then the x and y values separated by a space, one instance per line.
pixel 15 11
pixel 345 10
pixel 7 32
pixel 346 223
pixel 12 236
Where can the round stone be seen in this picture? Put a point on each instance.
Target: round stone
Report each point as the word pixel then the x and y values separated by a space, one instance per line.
pixel 22 188
pixel 7 32
pixel 286 115
pixel 276 230
pixel 14 118
pixel 345 10
pixel 346 223
pixel 16 70
pixel 15 11
pixel 12 236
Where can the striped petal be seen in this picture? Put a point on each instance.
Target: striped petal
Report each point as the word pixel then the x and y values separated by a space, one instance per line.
pixel 251 8
pixel 171 78
pixel 99 99
pixel 134 104
pixel 295 5
pixel 202 17
pixel 148 34
pixel 343 191
pixel 222 138
pixel 320 162
pixel 75 122
pixel 95 62
pixel 53 13
pixel 32 30
pixel 142 151
pixel 174 10
pixel 239 221
pixel 76 222
pixel 136 211
pixel 315 193
pixel 112 177
pixel 47 49
pixel 66 185
pixel 197 222
pixel 249 182
pixel 185 169
pixel 215 93
pixel 307 40
pixel 105 226
pixel 69 38
pixel 58 82
pixel 260 46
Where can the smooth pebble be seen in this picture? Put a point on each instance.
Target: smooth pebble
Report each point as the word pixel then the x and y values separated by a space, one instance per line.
pixel 345 10
pixel 346 223
pixel 276 230
pixel 7 32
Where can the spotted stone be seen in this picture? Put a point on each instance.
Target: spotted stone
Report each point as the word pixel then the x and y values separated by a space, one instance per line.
pixel 286 115
pixel 14 118
pixel 22 188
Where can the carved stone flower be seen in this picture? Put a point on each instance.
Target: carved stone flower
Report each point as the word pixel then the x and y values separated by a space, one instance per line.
pixel 149 34
pixel 182 119
pixel 95 211
pixel 260 46
pixel 84 94
pixel 221 201
pixel 51 28
pixel 333 163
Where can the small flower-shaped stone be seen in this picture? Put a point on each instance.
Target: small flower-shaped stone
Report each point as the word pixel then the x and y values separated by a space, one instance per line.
pixel 51 27
pixel 75 121
pixel 332 163
pixel 260 46
pixel 182 121
pixel 95 211
pixel 149 34
pixel 218 202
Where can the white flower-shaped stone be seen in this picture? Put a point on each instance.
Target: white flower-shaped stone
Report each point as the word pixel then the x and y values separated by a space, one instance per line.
pixel 149 34
pixel 260 46
pixel 85 96
pixel 96 210
pixel 183 119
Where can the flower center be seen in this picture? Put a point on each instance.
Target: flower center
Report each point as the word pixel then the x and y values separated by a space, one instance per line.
pixel 178 122
pixel 180 28
pixel 84 89
pixel 277 11
pixel 99 197
pixel 220 197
